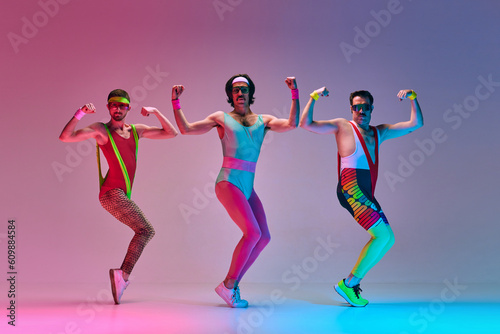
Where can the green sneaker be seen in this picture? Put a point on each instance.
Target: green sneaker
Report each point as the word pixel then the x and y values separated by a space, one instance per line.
pixel 351 295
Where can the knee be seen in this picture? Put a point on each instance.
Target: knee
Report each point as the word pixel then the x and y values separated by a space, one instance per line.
pixel 264 240
pixel 152 233
pixel 252 236
pixel 391 241
pixel 387 240
pixel 146 233
pixel 381 235
pixel 384 239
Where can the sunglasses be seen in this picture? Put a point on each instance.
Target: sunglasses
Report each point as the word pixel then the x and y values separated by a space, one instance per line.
pixel 121 106
pixel 364 107
pixel 243 89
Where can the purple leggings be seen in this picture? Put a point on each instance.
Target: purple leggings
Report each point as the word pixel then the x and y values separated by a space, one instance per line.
pixel 250 217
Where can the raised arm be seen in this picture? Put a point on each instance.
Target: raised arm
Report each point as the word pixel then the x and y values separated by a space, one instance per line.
pixel 389 131
pixel 69 135
pixel 283 125
pixel 195 128
pixel 307 122
pixel 153 132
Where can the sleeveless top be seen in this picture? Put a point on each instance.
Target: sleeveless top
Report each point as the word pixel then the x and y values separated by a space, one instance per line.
pixel 241 148
pixel 127 149
pixel 361 158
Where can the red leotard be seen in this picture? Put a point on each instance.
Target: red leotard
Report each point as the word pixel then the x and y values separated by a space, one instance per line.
pixel 127 148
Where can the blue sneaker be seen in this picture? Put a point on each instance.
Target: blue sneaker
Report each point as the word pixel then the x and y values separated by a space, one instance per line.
pixel 231 296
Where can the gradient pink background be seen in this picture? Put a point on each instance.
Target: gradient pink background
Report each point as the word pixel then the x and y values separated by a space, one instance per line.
pixel 444 215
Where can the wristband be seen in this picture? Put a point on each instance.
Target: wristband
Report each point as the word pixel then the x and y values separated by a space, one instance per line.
pixel 79 114
pixel 176 104
pixel 314 95
pixel 413 95
pixel 295 94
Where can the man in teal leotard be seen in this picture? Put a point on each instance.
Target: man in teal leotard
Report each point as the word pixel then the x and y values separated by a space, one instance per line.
pixel 241 133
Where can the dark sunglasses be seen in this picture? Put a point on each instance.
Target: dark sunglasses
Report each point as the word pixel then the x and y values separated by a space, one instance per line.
pixel 364 107
pixel 243 89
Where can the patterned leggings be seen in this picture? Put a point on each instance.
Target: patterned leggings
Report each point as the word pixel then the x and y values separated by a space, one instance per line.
pixel 354 192
pixel 116 202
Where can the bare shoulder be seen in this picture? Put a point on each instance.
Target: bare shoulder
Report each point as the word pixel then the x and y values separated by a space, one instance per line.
pixel 382 128
pixel 217 114
pixel 217 117
pixel 343 125
pixel 266 118
pixel 100 133
pixel 98 127
pixel 141 127
pixel 340 123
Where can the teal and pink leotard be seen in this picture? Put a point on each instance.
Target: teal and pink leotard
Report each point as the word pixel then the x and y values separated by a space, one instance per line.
pixel 357 180
pixel 241 148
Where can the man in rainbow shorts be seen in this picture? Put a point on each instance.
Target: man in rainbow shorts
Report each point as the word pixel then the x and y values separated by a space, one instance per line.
pixel 357 146
pixel 119 143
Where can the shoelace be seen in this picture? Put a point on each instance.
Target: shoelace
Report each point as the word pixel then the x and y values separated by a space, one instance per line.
pixel 357 290
pixel 236 295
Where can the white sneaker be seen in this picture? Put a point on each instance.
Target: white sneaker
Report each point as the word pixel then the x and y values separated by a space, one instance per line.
pixel 231 296
pixel 118 284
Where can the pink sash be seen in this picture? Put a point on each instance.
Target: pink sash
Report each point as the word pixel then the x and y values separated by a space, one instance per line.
pixel 234 163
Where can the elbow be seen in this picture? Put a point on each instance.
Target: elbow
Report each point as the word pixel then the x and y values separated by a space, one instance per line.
pixel 416 124
pixel 287 127
pixel 63 138
pixel 303 124
pixel 172 135
pixel 419 124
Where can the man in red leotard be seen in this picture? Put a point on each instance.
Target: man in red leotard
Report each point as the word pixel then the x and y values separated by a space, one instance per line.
pixel 119 143
pixel 357 145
